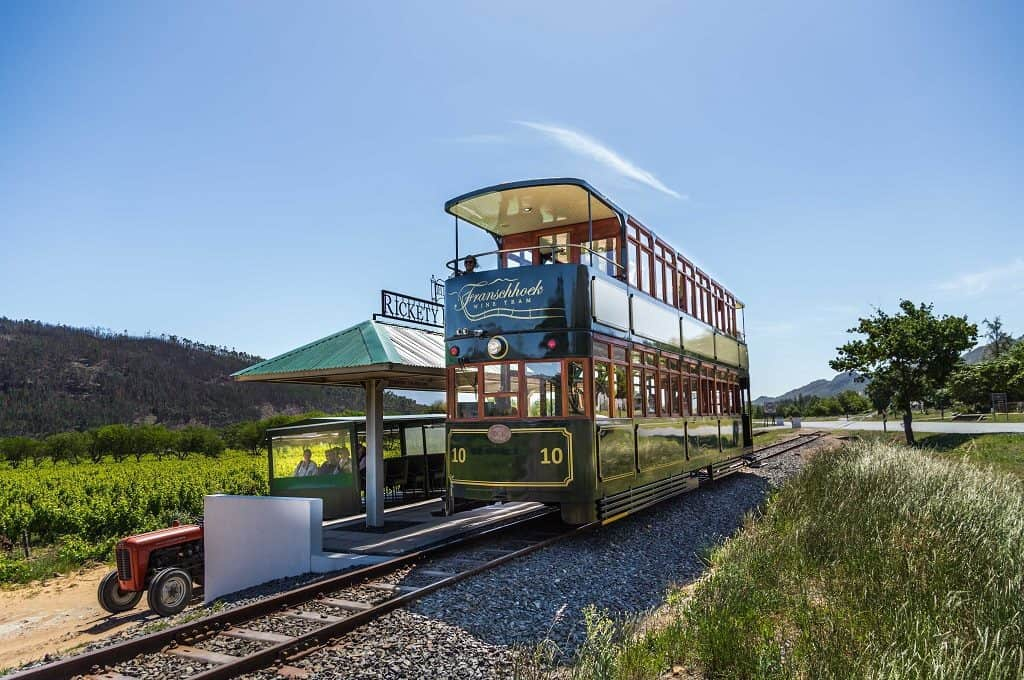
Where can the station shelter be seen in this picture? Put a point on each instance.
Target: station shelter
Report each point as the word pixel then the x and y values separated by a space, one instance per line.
pixel 372 355
pixel 325 458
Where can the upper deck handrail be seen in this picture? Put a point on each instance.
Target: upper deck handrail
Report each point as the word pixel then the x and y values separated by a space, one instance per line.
pixel 453 263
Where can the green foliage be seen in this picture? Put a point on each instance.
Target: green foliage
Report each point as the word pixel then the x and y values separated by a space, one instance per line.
pixel 911 353
pixel 973 384
pixel 83 509
pixel 999 341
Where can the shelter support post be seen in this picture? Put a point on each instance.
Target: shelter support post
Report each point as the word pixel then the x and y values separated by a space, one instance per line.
pixel 374 453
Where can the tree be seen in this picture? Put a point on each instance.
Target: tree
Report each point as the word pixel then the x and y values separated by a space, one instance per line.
pixel 880 393
pixel 67 446
pixel 851 401
pixel 913 352
pixel 999 341
pixel 973 384
pixel 16 450
pixel 114 441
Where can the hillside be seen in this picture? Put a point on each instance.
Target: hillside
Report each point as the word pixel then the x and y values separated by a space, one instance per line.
pixel 55 378
pixel 819 388
pixel 980 353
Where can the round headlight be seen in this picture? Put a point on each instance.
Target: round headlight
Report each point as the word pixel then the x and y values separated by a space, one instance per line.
pixel 497 347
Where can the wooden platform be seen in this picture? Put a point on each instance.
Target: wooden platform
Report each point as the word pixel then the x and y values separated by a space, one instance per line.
pixel 415 527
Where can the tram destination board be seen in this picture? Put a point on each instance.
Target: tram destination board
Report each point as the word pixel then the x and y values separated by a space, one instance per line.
pixel 401 307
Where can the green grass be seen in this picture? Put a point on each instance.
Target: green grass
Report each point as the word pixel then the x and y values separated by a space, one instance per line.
pixel 877 561
pixel 1003 451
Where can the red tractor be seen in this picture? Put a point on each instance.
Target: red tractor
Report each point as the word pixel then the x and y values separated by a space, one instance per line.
pixel 165 563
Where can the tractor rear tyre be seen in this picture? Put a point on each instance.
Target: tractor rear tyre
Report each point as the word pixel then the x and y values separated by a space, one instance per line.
pixel 170 591
pixel 112 598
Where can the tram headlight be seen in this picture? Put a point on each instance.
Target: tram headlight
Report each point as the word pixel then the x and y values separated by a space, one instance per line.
pixel 497 347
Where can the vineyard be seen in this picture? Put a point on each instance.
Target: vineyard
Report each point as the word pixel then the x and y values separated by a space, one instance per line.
pixel 74 513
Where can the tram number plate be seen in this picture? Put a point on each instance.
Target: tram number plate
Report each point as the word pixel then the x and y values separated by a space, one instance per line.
pixel 458 454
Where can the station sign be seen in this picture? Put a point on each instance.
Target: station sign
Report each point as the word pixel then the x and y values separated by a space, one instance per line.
pixel 999 403
pixel 769 408
pixel 401 307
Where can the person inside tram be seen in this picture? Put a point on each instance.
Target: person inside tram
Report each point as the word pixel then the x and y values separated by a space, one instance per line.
pixel 470 264
pixel 306 466
pixel 330 466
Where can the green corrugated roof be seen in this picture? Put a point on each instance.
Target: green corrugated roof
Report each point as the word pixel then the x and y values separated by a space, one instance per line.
pixel 365 344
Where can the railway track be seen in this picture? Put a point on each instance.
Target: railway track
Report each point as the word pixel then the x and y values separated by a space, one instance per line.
pixel 262 634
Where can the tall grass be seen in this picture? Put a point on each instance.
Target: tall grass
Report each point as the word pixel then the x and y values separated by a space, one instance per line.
pixel 876 562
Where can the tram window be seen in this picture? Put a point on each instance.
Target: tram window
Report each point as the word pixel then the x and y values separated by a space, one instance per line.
pixel 638 392
pixel 650 359
pixel 434 435
pixel 634 263
pixel 467 404
pixel 544 388
pixel 501 390
pixel 665 394
pixel 519 258
pixel 652 392
pixel 600 350
pixel 607 248
pixel 413 437
pixel 621 392
pixel 501 378
pixel 674 394
pixel 557 245
pixel 659 274
pixel 602 390
pixel 576 385
pixel 618 353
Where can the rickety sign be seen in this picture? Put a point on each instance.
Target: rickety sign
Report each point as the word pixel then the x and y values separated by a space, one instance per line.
pixel 411 309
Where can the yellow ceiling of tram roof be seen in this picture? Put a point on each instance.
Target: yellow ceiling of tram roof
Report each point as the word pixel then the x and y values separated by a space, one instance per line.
pixel 522 209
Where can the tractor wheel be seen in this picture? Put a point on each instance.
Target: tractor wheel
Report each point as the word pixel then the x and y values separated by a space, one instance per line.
pixel 170 591
pixel 112 598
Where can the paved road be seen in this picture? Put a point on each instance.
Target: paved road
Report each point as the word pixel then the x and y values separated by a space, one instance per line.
pixel 922 426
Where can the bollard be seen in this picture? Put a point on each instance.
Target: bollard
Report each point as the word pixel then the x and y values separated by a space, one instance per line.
pixel 25 544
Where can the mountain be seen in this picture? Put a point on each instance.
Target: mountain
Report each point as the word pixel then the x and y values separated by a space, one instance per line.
pixel 980 353
pixel 819 388
pixel 55 378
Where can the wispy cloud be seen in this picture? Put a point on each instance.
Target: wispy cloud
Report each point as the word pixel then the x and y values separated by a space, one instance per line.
pixel 976 283
pixel 482 138
pixel 580 143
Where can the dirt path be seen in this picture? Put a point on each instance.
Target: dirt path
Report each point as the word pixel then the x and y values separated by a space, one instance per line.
pixel 45 618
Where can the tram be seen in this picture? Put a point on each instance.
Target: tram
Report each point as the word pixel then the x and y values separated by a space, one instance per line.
pixel 590 364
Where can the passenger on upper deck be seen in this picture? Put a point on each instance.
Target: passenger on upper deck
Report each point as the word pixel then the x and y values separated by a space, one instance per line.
pixel 470 264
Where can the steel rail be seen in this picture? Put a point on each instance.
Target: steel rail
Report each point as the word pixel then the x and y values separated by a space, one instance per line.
pixel 94 661
pixel 303 644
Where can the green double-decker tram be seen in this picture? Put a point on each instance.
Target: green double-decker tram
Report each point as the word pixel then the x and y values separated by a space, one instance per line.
pixel 590 364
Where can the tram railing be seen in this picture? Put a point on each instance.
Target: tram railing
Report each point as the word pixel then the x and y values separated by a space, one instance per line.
pixel 542 252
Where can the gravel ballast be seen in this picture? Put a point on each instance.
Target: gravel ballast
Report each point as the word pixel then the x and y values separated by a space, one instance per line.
pixel 474 629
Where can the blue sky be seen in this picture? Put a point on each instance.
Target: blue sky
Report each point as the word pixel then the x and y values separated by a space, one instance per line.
pixel 252 174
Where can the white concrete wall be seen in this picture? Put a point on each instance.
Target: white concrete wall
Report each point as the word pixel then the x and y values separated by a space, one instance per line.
pixel 250 540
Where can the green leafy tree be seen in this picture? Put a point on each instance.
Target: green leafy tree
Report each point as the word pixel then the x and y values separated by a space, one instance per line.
pixel 999 341
pixel 115 441
pixel 881 395
pixel 973 384
pixel 67 446
pixel 913 351
pixel 16 450
pixel 852 401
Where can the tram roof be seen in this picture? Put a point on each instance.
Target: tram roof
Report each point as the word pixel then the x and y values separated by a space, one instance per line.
pixel 529 205
pixel 406 358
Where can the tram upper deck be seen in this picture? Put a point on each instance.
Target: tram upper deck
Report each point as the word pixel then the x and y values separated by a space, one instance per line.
pixel 602 270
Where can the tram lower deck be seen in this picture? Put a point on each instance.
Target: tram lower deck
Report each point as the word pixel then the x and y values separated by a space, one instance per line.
pixel 592 472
